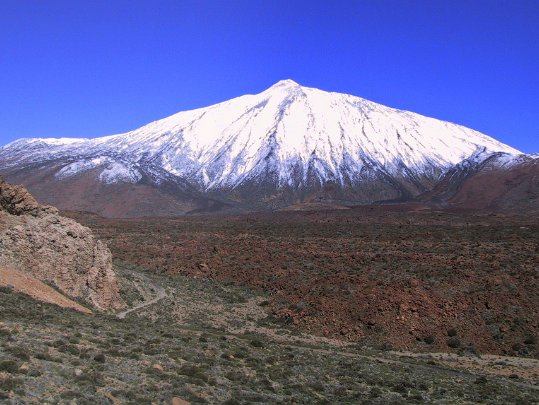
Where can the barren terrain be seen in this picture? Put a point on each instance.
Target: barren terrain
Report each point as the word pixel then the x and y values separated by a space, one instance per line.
pixel 387 276
pixel 373 305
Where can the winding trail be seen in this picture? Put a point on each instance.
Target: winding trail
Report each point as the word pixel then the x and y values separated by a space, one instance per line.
pixel 399 358
pixel 160 294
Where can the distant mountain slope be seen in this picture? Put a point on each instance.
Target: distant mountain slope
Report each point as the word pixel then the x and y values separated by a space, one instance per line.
pixel 498 182
pixel 286 145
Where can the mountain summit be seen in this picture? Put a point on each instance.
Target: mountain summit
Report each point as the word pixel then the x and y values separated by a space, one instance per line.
pixel 286 144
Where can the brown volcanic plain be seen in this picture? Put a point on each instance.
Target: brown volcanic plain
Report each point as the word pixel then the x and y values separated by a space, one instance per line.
pixel 402 276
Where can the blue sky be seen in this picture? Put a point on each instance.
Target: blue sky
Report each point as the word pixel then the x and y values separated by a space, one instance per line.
pixel 93 68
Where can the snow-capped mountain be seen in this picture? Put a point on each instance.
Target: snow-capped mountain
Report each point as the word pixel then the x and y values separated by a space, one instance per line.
pixel 272 148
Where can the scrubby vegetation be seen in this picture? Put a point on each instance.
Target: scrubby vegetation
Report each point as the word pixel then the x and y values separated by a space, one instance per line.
pixel 179 348
pixel 380 275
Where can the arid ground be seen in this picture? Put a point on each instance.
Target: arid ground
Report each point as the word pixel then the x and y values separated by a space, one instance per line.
pixel 397 276
pixel 375 305
pixel 206 342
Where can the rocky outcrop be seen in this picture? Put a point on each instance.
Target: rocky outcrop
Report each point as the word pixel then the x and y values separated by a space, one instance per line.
pixel 15 200
pixel 35 239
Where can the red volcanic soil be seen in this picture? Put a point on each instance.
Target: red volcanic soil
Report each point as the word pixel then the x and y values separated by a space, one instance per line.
pixel 403 276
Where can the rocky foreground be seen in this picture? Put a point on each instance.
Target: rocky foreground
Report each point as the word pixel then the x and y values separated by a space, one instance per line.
pixel 36 240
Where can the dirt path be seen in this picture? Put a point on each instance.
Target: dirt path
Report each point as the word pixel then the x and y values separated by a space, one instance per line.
pixel 216 315
pixel 462 369
pixel 503 366
pixel 160 294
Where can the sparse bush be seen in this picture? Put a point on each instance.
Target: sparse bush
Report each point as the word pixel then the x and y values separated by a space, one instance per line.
pixel 257 343
pixel 58 343
pixel 226 356
pixel 231 401
pixel 452 332
pixel 9 384
pixel 71 349
pixel 386 347
pixel 470 350
pixel 20 352
pixel 70 394
pixel 375 392
pixel 84 354
pixel 453 342
pixel 34 373
pixel 194 372
pixel 9 366
pixel 530 340
pixel 401 387
pixel 342 376
pixel 235 376
pixel 6 289
pixel 43 356
pixel 92 377
pixel 100 358
pixel 480 380
pixel 429 339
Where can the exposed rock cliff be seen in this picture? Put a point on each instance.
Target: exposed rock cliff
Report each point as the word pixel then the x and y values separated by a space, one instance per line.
pixel 37 240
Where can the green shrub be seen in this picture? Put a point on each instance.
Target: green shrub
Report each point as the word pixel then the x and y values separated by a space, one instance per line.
pixel 43 356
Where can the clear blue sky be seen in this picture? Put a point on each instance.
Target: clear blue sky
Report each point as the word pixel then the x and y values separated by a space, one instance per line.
pixel 91 68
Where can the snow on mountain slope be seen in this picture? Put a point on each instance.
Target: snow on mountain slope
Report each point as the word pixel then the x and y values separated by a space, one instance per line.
pixel 287 130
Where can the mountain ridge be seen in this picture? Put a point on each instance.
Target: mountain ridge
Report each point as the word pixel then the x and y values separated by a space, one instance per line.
pixel 286 144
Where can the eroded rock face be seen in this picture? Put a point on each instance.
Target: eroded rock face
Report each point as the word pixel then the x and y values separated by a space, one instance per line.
pixel 15 200
pixel 37 240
